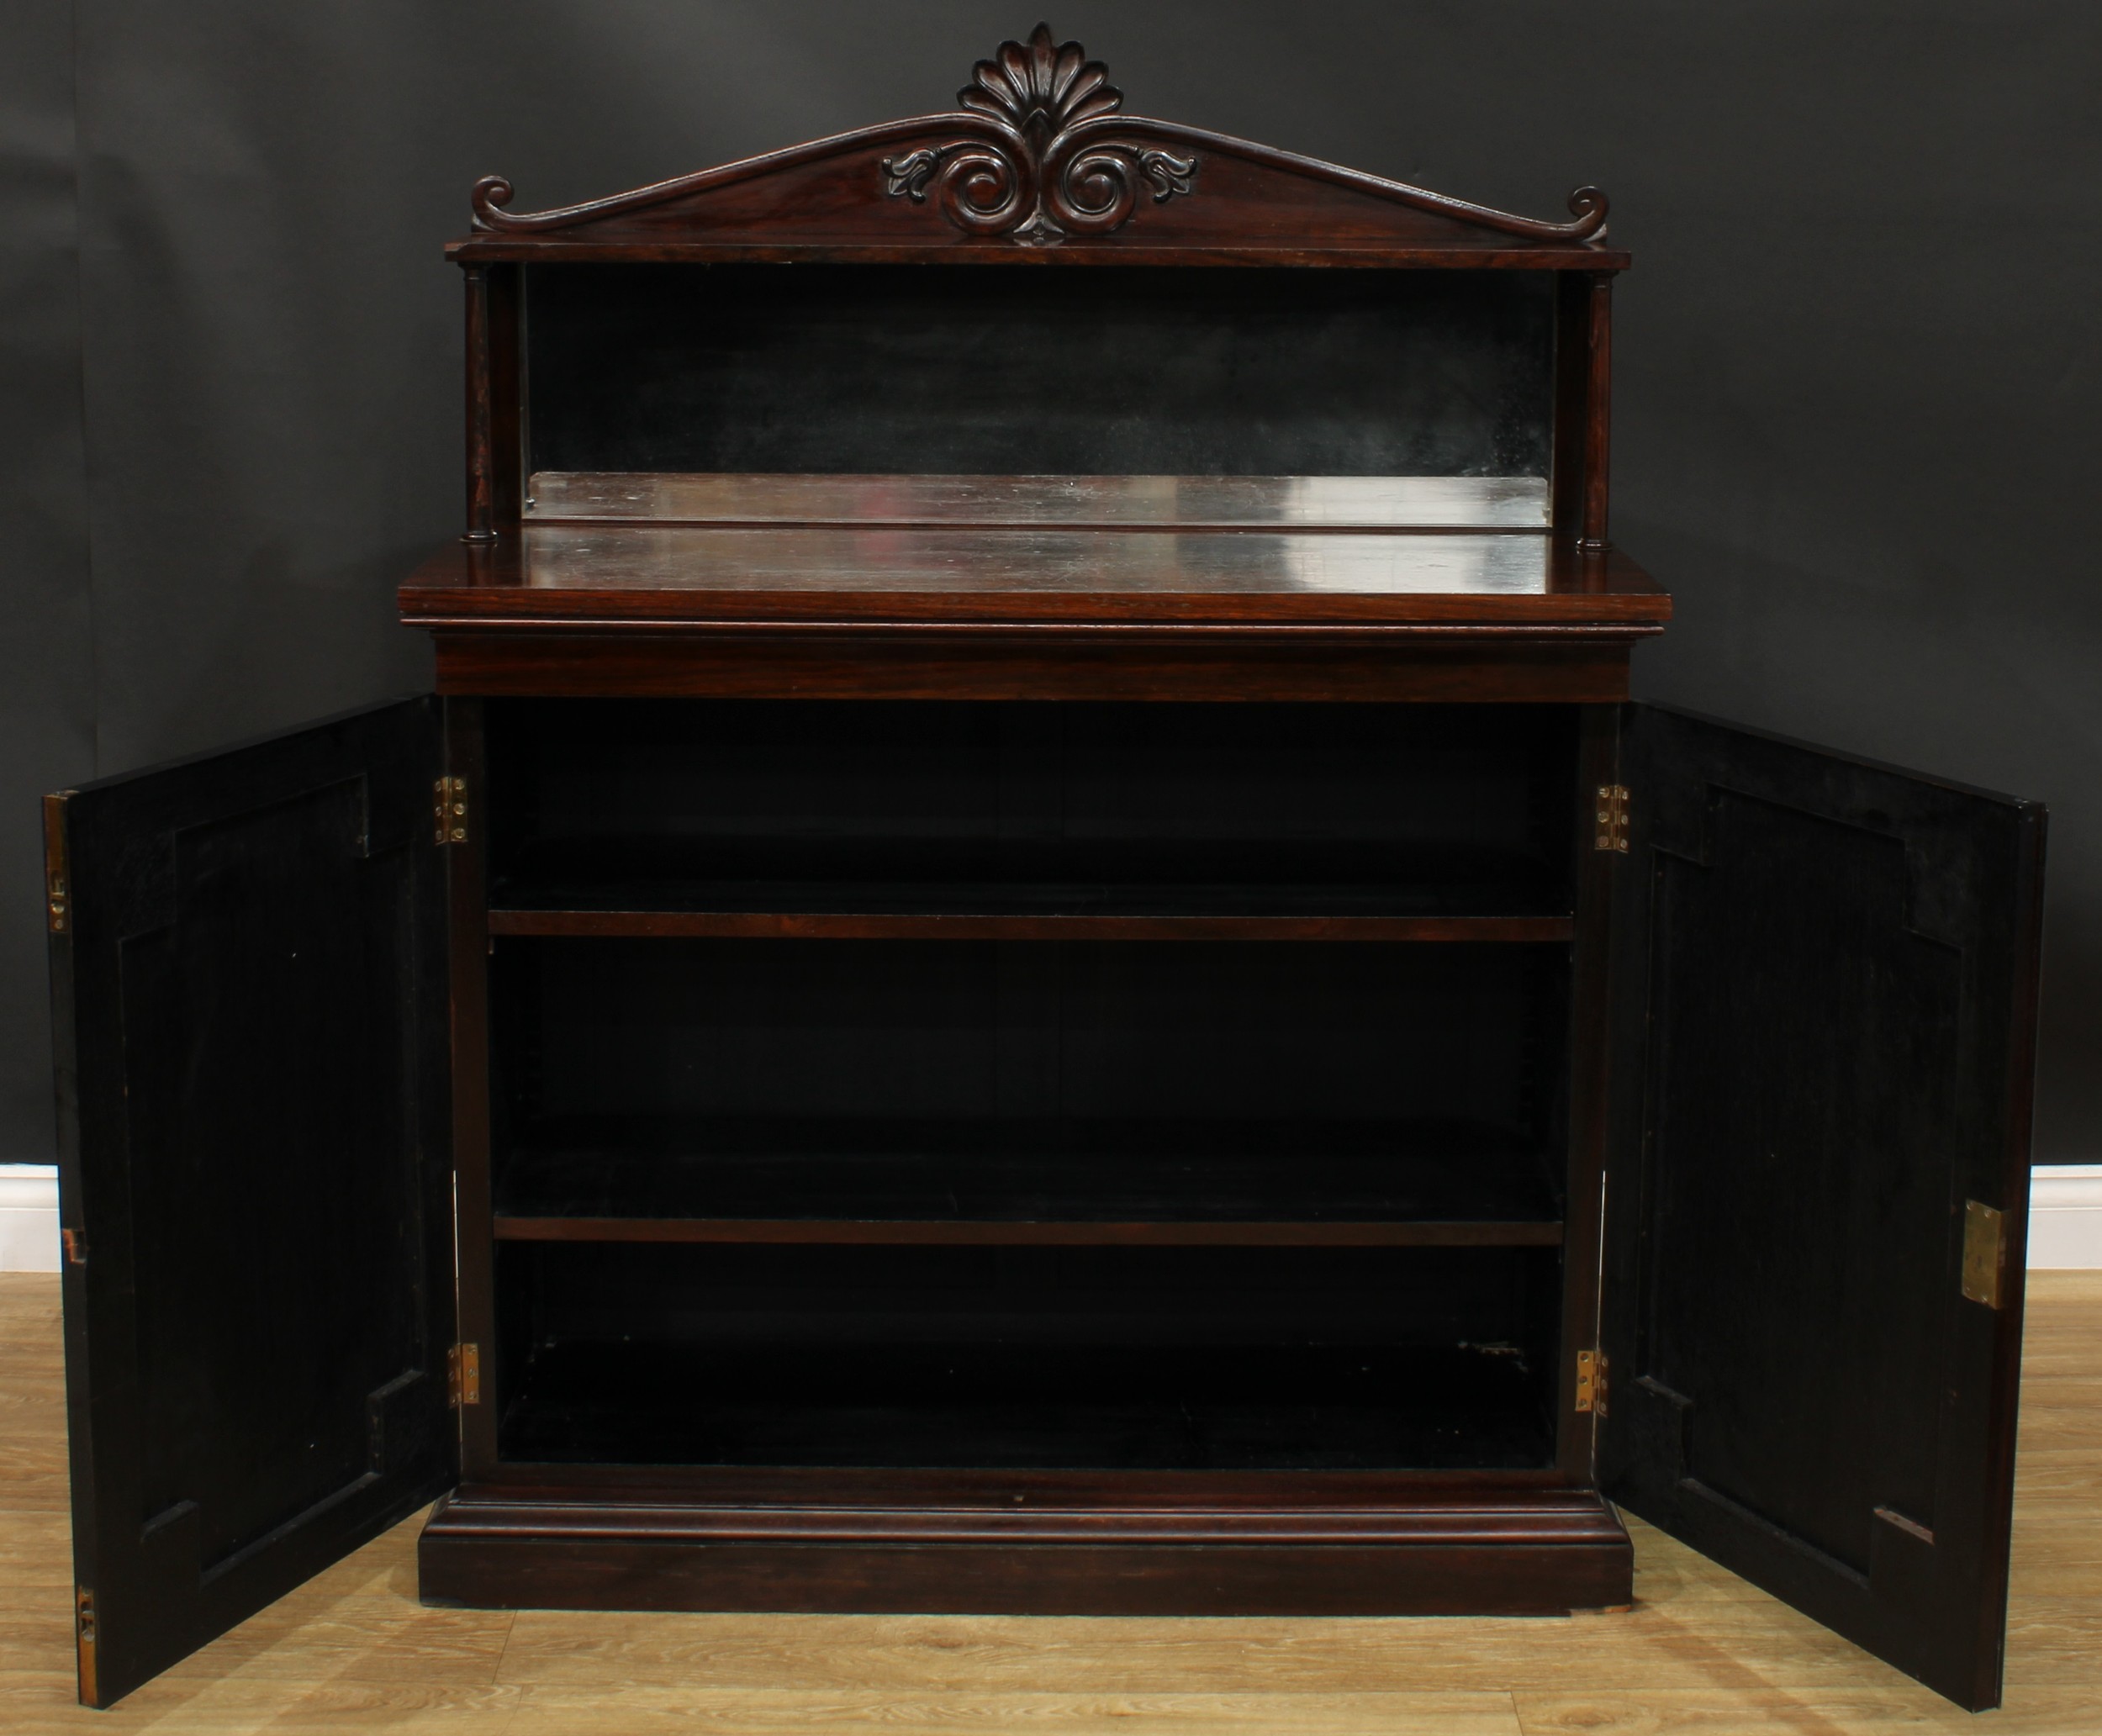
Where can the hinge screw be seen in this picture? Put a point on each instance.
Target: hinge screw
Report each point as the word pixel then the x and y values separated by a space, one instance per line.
pixel 450 811
pixel 464 1373
pixel 1611 833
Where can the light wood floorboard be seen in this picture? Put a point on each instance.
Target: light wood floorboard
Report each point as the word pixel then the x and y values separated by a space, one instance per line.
pixel 1702 1653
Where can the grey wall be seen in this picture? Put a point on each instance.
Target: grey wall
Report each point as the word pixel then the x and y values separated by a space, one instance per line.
pixel 47 667
pixel 1858 419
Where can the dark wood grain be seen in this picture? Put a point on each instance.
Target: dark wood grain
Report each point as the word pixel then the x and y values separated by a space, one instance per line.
pixel 1877 929
pixel 958 1233
pixel 731 662
pixel 610 575
pixel 255 959
pixel 467 875
pixel 1590 1052
pixel 1039 163
pixel 1995 1420
pixel 856 1207
pixel 1598 414
pixel 1218 250
pixel 480 423
pixel 1572 416
pixel 506 394
pixel 1452 1495
pixel 762 924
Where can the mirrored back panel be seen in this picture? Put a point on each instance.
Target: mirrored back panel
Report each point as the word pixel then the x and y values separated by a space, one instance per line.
pixel 966 371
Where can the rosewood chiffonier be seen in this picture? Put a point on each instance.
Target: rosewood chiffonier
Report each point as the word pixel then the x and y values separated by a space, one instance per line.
pixel 1031 960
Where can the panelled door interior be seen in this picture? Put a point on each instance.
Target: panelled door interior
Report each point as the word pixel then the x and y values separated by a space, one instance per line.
pixel 249 981
pixel 1812 1305
pixel 1032 960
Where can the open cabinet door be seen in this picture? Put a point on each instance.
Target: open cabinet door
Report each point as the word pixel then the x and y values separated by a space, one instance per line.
pixel 248 980
pixel 1825 987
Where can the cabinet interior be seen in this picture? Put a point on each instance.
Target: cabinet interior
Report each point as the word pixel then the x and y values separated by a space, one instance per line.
pixel 1231 1186
pixel 1186 1358
pixel 1023 809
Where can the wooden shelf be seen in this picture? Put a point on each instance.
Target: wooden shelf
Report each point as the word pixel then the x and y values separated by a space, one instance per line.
pixel 1092 577
pixel 932 1232
pixel 848 925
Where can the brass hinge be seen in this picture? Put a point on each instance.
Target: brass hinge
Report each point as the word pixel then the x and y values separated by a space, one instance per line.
pixel 1984 1253
pixel 450 811
pixel 1591 1381
pixel 58 898
pixel 75 1242
pixel 464 1373
pixel 84 1643
pixel 1612 819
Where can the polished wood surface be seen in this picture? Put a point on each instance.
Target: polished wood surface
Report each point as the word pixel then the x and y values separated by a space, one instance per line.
pixel 1701 1651
pixel 1166 502
pixel 886 575
pixel 481 442
pixel 679 612
pixel 956 1233
pixel 745 661
pixel 1597 411
pixel 1039 1543
pixel 800 925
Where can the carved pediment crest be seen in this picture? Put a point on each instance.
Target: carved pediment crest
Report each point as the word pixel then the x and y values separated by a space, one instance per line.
pixel 1045 161
pixel 1038 149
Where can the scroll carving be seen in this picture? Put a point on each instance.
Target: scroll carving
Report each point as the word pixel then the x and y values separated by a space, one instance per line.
pixel 1044 163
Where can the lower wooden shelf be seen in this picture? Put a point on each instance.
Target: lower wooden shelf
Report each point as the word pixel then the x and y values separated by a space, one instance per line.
pixel 954 1232
pixel 1000 926
pixel 1032 1542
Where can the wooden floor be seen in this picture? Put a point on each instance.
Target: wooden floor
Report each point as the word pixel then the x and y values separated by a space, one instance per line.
pixel 1702 1653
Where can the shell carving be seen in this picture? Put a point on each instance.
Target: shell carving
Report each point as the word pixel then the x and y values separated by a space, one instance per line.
pixel 1045 163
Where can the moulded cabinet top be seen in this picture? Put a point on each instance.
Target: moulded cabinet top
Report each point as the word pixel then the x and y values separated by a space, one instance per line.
pixel 1040 164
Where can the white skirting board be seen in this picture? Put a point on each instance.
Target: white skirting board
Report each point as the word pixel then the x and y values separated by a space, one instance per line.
pixel 2065 1217
pixel 28 1217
